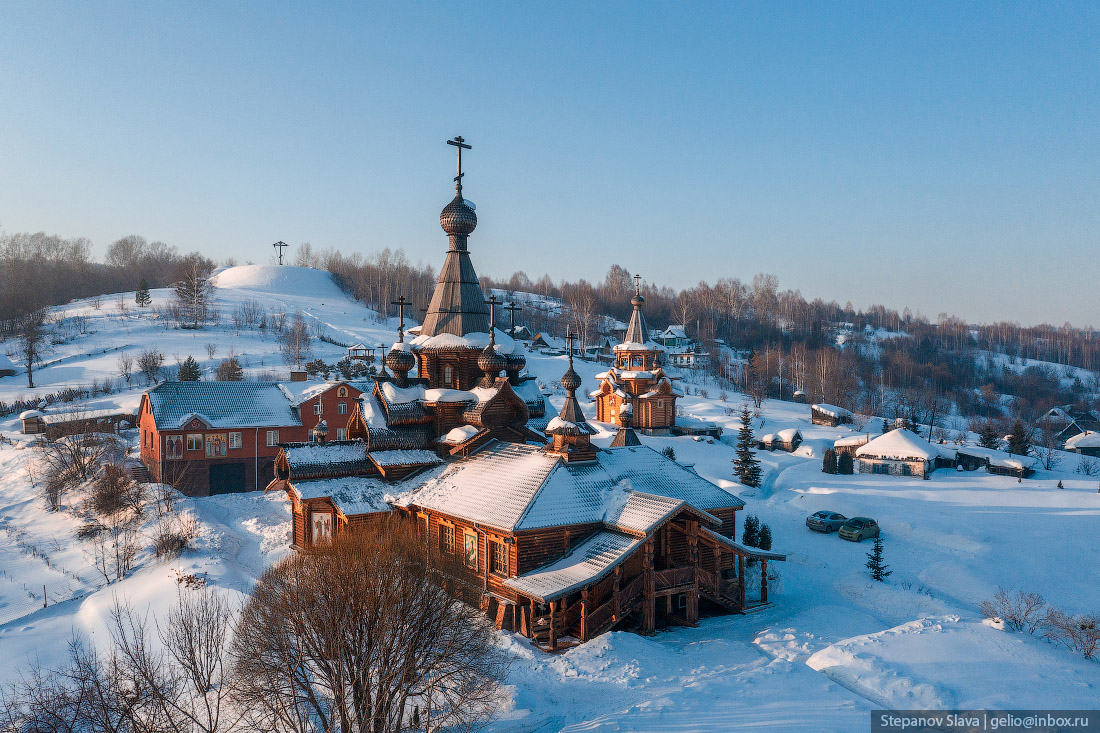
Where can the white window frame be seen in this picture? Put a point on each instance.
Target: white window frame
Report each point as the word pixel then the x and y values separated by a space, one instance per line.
pixel 341 433
pixel 236 441
pixel 318 408
pixel 342 408
pixel 198 442
pixel 272 438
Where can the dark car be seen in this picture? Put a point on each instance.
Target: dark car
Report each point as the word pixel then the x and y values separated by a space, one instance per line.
pixel 826 522
pixel 858 529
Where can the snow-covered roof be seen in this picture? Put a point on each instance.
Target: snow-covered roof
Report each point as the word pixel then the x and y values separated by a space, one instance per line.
pixel 1087 439
pixel 402 395
pixel 852 440
pixel 28 414
pixel 788 434
pixel 221 404
pixel 350 494
pixel 515 487
pixel 301 392
pixel 676 331
pixel 504 343
pixel 997 458
pixel 313 459
pixel 584 565
pixel 460 434
pixel 898 445
pixel 832 410
pixel 6 364
pixel 413 457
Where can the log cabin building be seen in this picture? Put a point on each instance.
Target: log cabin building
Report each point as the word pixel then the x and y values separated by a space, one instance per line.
pixel 560 540
pixel 637 390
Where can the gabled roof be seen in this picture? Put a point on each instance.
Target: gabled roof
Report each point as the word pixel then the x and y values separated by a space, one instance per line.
pixel 517 487
pixel 1087 439
pixel 221 404
pixel 309 460
pixel 898 445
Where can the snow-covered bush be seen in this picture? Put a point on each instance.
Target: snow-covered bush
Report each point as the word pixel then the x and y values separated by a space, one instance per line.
pixel 1019 612
pixel 1079 633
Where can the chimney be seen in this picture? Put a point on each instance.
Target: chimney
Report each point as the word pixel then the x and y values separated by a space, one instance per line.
pixel 297 375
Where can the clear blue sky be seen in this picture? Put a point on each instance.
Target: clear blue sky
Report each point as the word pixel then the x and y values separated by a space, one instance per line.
pixel 944 156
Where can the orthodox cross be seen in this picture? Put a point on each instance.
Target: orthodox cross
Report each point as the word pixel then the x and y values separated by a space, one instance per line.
pixel 280 246
pixel 570 337
pixel 492 303
pixel 512 308
pixel 401 304
pixel 382 360
pixel 637 284
pixel 459 143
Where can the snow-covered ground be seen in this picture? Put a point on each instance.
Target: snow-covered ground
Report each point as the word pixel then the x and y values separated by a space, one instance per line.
pixel 835 644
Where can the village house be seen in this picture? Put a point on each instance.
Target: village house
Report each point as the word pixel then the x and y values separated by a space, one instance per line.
pixel 785 440
pixel 831 415
pixel 850 444
pixel 897 453
pixel 693 357
pixel 75 421
pixel 1086 443
pixel 560 540
pixel 220 437
pixel 674 337
pixel 637 390
pixel 972 458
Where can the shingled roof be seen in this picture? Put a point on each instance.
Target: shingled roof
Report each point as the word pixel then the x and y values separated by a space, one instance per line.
pixel 221 405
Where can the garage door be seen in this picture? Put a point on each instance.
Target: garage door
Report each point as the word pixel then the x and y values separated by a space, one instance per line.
pixel 227 478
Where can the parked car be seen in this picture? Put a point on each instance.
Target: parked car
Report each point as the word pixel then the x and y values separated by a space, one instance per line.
pixel 826 522
pixel 858 529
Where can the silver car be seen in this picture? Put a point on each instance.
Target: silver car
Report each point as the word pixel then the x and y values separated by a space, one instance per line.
pixel 825 521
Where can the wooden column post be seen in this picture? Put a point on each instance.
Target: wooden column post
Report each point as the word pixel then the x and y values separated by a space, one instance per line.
pixel 649 611
pixel 763 581
pixel 741 579
pixel 584 615
pixel 615 590
pixel 692 610
pixel 553 626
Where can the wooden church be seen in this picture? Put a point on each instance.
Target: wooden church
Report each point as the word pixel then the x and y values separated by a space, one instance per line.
pixel 560 540
pixel 637 390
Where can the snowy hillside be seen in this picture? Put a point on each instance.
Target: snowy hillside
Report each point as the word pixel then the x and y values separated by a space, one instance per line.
pixel 95 338
pixel 835 644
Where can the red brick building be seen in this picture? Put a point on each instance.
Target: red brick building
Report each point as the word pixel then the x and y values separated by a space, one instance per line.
pixel 223 437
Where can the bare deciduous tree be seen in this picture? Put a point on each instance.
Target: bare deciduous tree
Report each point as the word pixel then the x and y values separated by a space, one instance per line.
pixel 357 637
pixel 32 330
pixel 126 366
pixel 294 342
pixel 149 364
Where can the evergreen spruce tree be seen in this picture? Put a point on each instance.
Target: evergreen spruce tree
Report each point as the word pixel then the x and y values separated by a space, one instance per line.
pixel 750 536
pixel 142 297
pixel 845 465
pixel 1019 442
pixel 745 465
pixel 885 426
pixel 189 370
pixel 875 564
pixel 764 538
pixel 669 452
pixel 987 438
pixel 828 461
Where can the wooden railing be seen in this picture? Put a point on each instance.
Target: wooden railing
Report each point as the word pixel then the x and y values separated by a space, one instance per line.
pixel 631 592
pixel 673 578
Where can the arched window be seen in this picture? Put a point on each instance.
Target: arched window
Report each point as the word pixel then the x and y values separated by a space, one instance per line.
pixel 448 374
